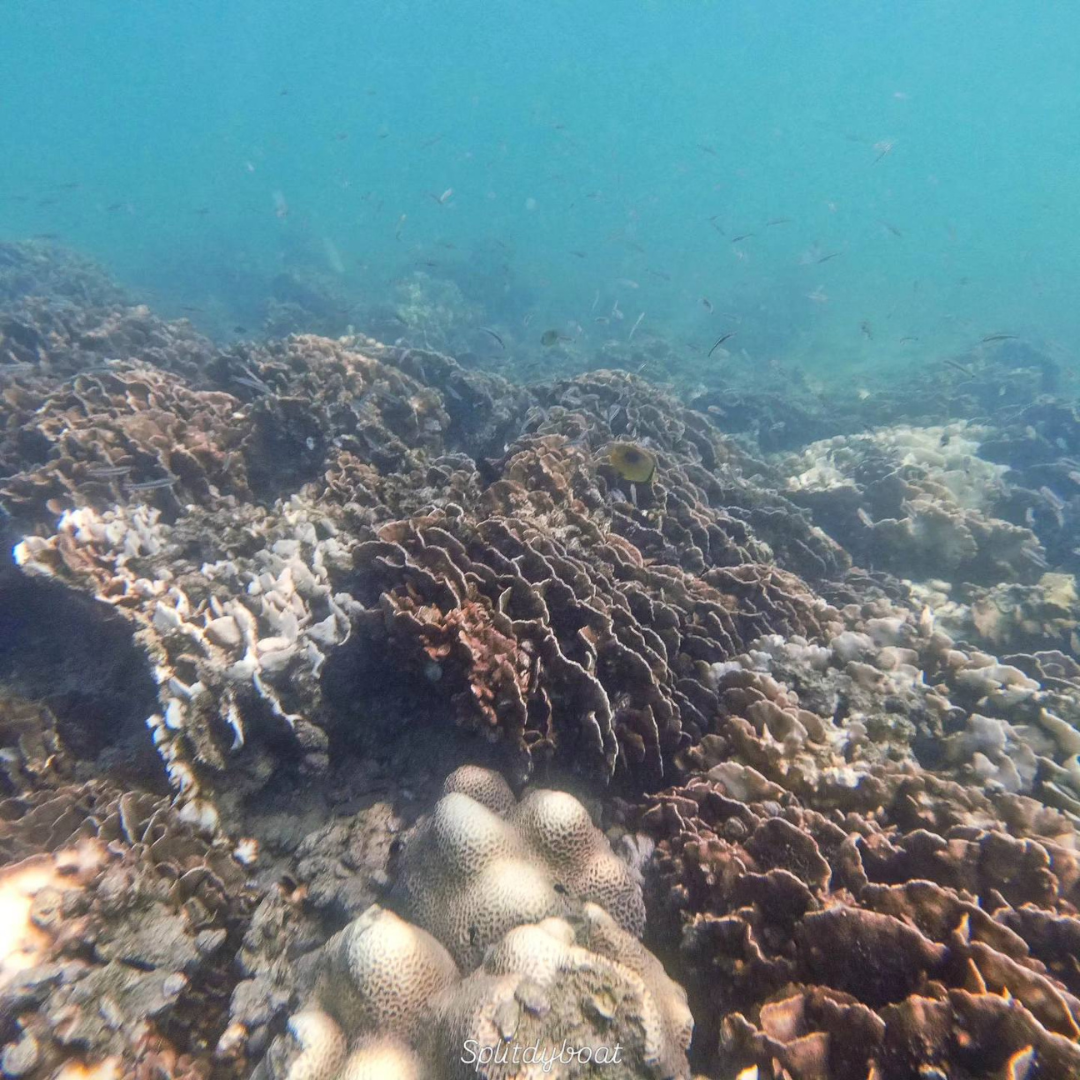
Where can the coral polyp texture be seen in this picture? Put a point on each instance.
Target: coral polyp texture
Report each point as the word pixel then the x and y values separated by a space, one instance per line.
pixel 470 873
pixel 359 706
pixel 527 934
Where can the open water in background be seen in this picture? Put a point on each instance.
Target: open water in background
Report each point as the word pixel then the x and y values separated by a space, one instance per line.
pixel 934 147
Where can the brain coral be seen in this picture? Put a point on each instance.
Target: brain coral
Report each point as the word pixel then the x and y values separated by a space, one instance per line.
pixel 551 983
pixel 594 987
pixel 471 874
pixel 530 898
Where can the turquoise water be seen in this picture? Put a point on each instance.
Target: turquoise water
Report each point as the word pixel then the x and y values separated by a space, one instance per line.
pixel 556 159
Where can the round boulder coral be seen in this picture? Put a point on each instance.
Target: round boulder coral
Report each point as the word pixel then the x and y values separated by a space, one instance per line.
pixel 485 786
pixel 380 971
pixel 582 998
pixel 470 876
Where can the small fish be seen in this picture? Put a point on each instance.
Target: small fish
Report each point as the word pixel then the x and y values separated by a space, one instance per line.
pixel 778 221
pixel 959 367
pixel 637 323
pixel 114 206
pixel 831 255
pixel 892 228
pixel 252 381
pixel 491 333
pixel 884 148
pixel 251 384
pixel 867 329
pixel 818 296
pixel 202 211
pixel 189 307
pixel 707 148
pixel 441 199
pixel 905 340
pixel 154 485
pixel 864 517
pixel 997 337
pixel 658 273
pixel 707 304
pixel 579 254
pixel 430 142
pixel 1052 497
pixel 742 236
pixel 628 283
pixel 720 340
pixel 108 472
pixel 718 228
pixel 552 337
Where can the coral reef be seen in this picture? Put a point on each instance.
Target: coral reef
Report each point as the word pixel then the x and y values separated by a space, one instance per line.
pixel 828 894
pixel 117 930
pixel 810 674
pixel 479 866
pixel 918 502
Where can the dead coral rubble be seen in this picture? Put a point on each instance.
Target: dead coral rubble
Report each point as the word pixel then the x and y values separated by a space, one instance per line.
pixel 118 931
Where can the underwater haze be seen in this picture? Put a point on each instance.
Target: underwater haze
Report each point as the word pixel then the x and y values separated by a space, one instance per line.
pixel 852 186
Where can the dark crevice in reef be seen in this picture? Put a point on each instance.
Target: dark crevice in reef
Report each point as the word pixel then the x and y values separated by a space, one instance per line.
pixel 78 657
